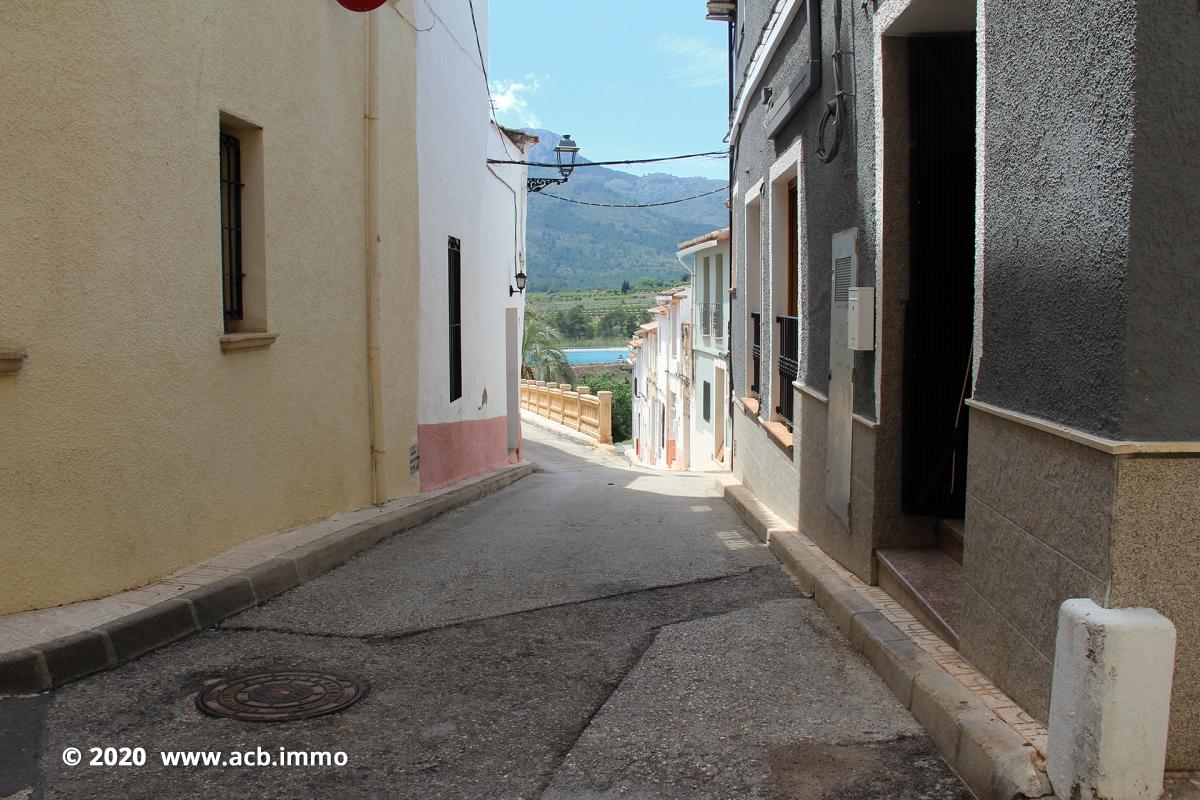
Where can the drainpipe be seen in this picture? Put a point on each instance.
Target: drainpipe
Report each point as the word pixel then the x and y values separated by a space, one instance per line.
pixel 730 388
pixel 691 269
pixel 374 332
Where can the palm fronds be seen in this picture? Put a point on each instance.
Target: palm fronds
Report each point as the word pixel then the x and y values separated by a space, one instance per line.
pixel 542 357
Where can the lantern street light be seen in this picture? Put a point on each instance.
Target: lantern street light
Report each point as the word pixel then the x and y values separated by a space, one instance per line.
pixel 564 154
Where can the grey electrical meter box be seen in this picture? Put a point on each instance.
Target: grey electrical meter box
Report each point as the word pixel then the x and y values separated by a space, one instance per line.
pixel 860 318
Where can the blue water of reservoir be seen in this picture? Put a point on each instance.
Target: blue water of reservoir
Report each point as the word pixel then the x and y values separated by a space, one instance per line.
pixel 596 355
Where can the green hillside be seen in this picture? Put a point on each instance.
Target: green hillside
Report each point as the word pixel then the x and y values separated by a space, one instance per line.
pixel 571 246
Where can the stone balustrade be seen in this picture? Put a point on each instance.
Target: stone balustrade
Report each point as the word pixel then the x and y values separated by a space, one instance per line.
pixel 578 409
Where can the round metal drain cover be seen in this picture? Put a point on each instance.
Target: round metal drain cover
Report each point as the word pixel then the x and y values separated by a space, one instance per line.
pixel 279 696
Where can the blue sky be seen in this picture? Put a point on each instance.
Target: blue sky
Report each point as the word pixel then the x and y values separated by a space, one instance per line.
pixel 626 78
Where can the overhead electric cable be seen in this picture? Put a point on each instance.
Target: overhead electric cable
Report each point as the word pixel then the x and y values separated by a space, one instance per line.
pixel 413 25
pixel 713 153
pixel 487 83
pixel 479 47
pixel 630 205
pixel 835 109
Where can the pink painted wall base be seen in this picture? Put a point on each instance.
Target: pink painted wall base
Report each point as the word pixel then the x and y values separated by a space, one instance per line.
pixel 454 451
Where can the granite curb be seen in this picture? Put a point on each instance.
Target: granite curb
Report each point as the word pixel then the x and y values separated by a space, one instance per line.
pixel 67 658
pixel 992 759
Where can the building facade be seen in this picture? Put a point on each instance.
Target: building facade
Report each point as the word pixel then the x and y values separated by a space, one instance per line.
pixel 710 429
pixel 951 364
pixel 660 358
pixel 226 265
pixel 472 246
pixel 154 414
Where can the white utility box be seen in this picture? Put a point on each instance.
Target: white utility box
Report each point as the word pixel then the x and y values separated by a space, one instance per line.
pixel 860 318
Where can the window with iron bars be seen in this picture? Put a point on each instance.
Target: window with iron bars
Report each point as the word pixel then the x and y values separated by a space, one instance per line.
pixel 712 320
pixel 454 284
pixel 232 276
pixel 788 366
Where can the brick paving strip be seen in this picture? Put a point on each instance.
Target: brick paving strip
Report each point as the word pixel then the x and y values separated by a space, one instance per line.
pixel 992 743
pixel 43 649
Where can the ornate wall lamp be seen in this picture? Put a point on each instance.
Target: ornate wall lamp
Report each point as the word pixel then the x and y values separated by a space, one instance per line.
pixel 520 276
pixel 564 154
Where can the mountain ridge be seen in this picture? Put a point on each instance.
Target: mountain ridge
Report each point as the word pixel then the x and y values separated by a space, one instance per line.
pixel 572 246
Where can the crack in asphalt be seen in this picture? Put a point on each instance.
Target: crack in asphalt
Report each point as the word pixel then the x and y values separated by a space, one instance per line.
pixel 644 644
pixel 639 648
pixel 395 636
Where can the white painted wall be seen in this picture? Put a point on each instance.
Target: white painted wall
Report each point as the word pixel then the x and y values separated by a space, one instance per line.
pixel 460 197
pixel 709 285
pixel 662 360
pixel 503 256
pixel 662 367
pixel 650 370
pixel 484 207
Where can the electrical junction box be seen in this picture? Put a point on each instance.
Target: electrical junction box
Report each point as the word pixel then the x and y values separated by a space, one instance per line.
pixel 860 318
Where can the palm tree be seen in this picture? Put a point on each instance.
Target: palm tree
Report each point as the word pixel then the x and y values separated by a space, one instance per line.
pixel 542 357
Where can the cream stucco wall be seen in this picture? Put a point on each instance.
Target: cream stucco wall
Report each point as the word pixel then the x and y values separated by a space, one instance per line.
pixel 130 444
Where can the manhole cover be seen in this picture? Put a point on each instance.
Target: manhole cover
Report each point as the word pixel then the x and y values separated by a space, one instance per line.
pixel 279 696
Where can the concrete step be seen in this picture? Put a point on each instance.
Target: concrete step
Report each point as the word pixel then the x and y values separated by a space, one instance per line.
pixel 928 583
pixel 950 538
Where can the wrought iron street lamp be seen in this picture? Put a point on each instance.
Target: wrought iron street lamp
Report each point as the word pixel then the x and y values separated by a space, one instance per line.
pixel 564 154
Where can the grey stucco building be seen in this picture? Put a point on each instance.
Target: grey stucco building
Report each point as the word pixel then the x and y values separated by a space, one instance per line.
pixel 965 328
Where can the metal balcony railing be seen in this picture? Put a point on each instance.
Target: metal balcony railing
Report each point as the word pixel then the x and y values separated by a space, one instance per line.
pixel 704 319
pixel 789 328
pixel 756 351
pixel 718 321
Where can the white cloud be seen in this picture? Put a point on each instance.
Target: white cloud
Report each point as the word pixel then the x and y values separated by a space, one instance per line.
pixel 697 64
pixel 511 105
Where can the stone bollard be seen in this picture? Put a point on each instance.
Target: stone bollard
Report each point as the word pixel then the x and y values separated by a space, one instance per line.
pixel 605 417
pixel 1110 702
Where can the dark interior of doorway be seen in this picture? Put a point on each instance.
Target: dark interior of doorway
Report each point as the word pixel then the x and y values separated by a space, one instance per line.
pixel 940 308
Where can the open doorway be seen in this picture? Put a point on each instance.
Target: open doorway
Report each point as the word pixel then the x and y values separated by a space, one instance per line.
pixel 941 302
pixel 931 104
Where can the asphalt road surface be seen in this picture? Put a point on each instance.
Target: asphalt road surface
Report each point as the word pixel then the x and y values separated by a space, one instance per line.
pixel 594 631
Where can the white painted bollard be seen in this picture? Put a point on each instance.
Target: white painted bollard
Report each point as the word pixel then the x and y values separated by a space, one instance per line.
pixel 1110 702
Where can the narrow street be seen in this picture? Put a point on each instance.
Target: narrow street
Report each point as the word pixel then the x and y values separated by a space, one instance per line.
pixel 593 631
